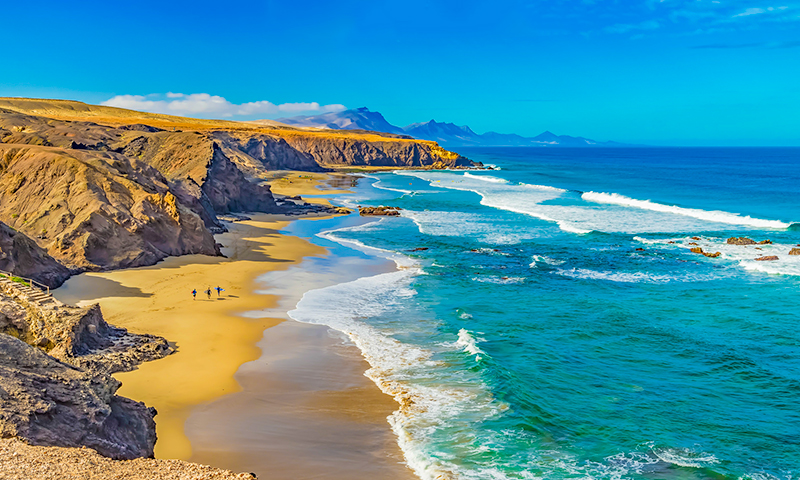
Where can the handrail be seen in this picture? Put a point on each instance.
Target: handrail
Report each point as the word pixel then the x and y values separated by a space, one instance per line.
pixel 31 282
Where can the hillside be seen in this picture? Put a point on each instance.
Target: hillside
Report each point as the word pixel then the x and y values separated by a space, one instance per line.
pixel 102 188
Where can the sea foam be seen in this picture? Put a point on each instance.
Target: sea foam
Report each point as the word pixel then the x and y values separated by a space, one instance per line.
pixel 714 216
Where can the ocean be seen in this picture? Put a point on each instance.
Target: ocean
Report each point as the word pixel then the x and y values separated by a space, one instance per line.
pixel 547 319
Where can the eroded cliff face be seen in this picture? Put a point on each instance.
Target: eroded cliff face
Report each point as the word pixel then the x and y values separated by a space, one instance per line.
pixel 336 150
pixel 25 258
pixel 46 402
pixel 96 210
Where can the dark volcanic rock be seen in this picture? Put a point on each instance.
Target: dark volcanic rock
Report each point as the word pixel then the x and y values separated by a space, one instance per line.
pixel 23 257
pixel 767 258
pixel 47 402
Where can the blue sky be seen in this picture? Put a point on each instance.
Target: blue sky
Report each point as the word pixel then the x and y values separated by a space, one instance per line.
pixel 671 72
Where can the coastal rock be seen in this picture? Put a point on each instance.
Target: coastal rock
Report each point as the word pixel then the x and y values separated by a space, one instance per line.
pixel 707 254
pixel 24 258
pixel 747 241
pixel 419 249
pixel 78 336
pixel 379 211
pixel 741 241
pixel 342 211
pixel 767 258
pixel 794 251
pixel 46 402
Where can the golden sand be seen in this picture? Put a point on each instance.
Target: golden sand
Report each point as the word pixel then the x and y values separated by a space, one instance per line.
pixel 212 339
pixel 310 183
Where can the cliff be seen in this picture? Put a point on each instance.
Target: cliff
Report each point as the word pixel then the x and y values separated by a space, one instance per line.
pixel 104 188
pixel 55 383
pixel 24 257
pixel 46 402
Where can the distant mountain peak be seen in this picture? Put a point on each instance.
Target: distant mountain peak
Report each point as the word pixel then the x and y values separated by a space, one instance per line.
pixel 445 133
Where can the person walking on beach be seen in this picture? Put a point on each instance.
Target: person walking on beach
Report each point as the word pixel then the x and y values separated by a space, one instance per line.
pixel 208 292
pixel 219 289
pixel 194 293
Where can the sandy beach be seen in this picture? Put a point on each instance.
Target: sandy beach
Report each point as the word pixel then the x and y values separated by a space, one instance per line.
pixel 303 402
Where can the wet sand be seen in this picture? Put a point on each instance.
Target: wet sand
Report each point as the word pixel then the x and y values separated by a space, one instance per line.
pixel 306 411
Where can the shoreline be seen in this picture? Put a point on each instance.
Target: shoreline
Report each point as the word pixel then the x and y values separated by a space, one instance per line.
pixel 220 340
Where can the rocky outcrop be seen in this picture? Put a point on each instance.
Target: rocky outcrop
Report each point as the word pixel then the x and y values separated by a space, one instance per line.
pixel 707 254
pixel 794 251
pixel 78 336
pixel 747 241
pixel 47 402
pixel 23 257
pixel 767 258
pixel 379 211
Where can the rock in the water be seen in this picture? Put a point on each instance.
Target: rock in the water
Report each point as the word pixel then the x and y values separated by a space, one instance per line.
pixel 379 211
pixel 794 251
pixel 50 403
pixel 342 211
pixel 741 241
pixel 747 241
pixel 419 249
pixel 707 254
pixel 767 258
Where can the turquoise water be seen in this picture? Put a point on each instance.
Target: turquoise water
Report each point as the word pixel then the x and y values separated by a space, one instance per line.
pixel 557 326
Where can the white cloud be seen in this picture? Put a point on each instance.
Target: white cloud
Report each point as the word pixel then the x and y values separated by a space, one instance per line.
pixel 750 11
pixel 206 105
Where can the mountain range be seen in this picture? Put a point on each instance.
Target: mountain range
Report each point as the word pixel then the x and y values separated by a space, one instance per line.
pixel 446 134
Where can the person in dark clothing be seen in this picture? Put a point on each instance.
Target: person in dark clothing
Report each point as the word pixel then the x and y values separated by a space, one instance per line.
pixel 194 293
pixel 208 292
pixel 219 290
